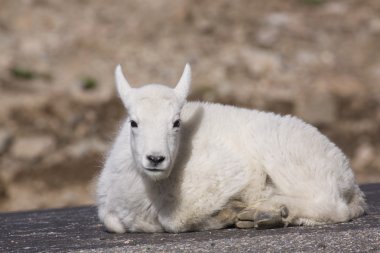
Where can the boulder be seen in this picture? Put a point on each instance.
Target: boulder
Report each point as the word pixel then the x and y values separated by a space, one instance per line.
pixel 31 148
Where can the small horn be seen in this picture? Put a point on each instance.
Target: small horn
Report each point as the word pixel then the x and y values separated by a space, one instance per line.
pixel 121 82
pixel 183 87
pixel 122 85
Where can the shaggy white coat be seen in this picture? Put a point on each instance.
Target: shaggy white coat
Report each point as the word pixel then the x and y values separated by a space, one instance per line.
pixel 219 153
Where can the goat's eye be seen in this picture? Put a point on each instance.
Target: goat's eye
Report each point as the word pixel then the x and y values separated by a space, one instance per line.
pixel 133 124
pixel 177 123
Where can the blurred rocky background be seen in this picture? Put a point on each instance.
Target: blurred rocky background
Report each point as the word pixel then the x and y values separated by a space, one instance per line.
pixel 59 112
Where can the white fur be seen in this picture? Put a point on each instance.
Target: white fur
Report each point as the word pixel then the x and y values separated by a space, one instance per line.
pixel 219 153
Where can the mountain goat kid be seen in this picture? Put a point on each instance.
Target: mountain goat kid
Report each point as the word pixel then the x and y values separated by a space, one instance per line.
pixel 178 166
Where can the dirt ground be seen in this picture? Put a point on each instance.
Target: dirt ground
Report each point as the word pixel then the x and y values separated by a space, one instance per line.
pixel 317 59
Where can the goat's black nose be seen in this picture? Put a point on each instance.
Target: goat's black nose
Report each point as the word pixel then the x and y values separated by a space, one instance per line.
pixel 155 159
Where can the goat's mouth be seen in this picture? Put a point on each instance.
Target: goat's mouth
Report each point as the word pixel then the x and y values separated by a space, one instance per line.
pixel 154 170
pixel 156 173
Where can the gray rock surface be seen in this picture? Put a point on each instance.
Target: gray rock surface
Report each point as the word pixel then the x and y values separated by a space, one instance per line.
pixel 78 230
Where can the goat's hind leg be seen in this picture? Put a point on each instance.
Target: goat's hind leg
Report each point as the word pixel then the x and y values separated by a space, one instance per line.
pixel 264 214
pixel 279 210
pixel 223 218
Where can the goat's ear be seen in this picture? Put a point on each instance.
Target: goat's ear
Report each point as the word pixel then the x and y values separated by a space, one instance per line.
pixel 183 87
pixel 122 85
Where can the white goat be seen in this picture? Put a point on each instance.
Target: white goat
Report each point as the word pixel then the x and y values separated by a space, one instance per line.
pixel 178 166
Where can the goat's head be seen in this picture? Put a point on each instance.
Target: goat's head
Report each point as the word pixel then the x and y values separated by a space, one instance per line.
pixel 154 122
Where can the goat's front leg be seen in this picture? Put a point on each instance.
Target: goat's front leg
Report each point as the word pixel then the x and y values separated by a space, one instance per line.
pixel 113 223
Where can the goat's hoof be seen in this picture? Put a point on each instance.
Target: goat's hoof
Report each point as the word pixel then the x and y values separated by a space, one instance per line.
pixel 268 220
pixel 260 219
pixel 228 215
pixel 244 224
